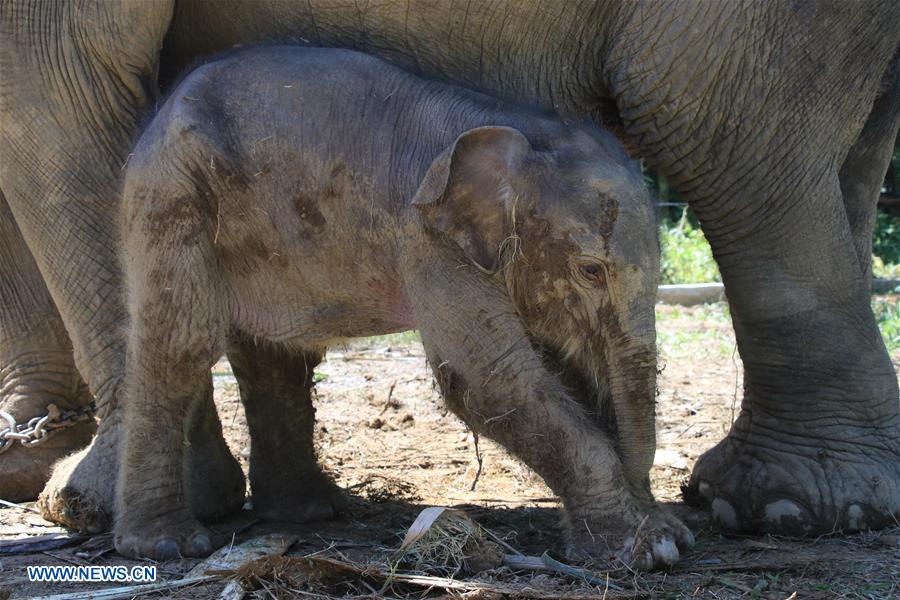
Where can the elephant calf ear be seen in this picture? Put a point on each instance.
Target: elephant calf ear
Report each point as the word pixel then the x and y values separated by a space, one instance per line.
pixel 470 189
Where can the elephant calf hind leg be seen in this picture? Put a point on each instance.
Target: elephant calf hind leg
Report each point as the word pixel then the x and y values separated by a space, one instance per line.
pixel 214 481
pixel 285 479
pixel 178 330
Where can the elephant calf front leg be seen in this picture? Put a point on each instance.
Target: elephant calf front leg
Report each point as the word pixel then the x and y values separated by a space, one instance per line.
pixel 539 424
pixel 492 377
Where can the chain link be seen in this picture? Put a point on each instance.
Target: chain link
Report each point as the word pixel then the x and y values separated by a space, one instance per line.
pixel 39 429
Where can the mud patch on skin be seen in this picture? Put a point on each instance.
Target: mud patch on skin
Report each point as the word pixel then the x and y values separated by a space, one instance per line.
pixel 247 255
pixel 559 316
pixel 338 181
pixel 308 210
pixel 609 207
pixel 180 218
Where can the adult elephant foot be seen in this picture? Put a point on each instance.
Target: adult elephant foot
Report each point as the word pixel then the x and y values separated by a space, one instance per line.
pixel 81 491
pixel 38 377
pixel 33 392
pixel 757 480
pixel 24 471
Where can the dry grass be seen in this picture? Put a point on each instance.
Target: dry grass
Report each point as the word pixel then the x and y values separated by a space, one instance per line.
pixel 449 543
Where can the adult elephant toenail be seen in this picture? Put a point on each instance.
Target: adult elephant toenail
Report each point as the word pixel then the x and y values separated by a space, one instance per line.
pixel 724 514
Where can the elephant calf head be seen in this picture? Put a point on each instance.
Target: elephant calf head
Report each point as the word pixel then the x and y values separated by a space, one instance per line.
pixel 569 229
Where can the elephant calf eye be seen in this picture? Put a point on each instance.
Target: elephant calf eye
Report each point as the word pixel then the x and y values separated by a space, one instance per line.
pixel 594 273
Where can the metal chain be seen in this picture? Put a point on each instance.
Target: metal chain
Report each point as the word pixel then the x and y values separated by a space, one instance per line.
pixel 39 429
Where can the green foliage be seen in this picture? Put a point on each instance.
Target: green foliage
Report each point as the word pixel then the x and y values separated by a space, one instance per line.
pixel 892 178
pixel 887 314
pixel 686 255
pixel 886 241
pixel 884 271
pixel 394 339
pixel 703 330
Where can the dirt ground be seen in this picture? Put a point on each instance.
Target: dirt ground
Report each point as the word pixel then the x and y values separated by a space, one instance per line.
pixel 385 437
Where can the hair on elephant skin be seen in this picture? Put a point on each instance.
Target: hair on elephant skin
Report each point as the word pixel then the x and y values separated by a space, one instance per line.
pixel 360 200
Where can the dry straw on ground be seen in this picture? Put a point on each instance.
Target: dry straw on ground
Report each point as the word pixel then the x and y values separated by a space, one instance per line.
pixel 444 541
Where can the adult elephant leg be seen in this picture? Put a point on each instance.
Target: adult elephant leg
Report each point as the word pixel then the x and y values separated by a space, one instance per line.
pixel 816 447
pixel 76 78
pixel 863 170
pixel 36 370
pixel 286 481
pixel 754 137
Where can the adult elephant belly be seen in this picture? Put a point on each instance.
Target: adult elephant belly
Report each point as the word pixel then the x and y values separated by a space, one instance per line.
pixel 750 111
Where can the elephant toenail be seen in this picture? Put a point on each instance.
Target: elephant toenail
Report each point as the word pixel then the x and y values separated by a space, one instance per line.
pixel 642 561
pixel 166 549
pixel 785 515
pixel 855 518
pixel 705 490
pixel 687 539
pixel 724 514
pixel 200 545
pixel 666 552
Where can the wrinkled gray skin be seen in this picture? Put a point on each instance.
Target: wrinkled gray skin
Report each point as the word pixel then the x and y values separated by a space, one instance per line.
pixel 300 196
pixel 775 120
pixel 36 366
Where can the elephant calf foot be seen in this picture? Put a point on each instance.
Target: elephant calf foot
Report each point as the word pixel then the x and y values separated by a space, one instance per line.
pixel 315 497
pixel 644 539
pixel 165 537
pixel 754 485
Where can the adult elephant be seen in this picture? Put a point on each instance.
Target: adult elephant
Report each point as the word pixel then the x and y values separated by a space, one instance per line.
pixel 775 120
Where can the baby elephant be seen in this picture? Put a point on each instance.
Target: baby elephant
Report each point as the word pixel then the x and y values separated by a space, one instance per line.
pixel 301 196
